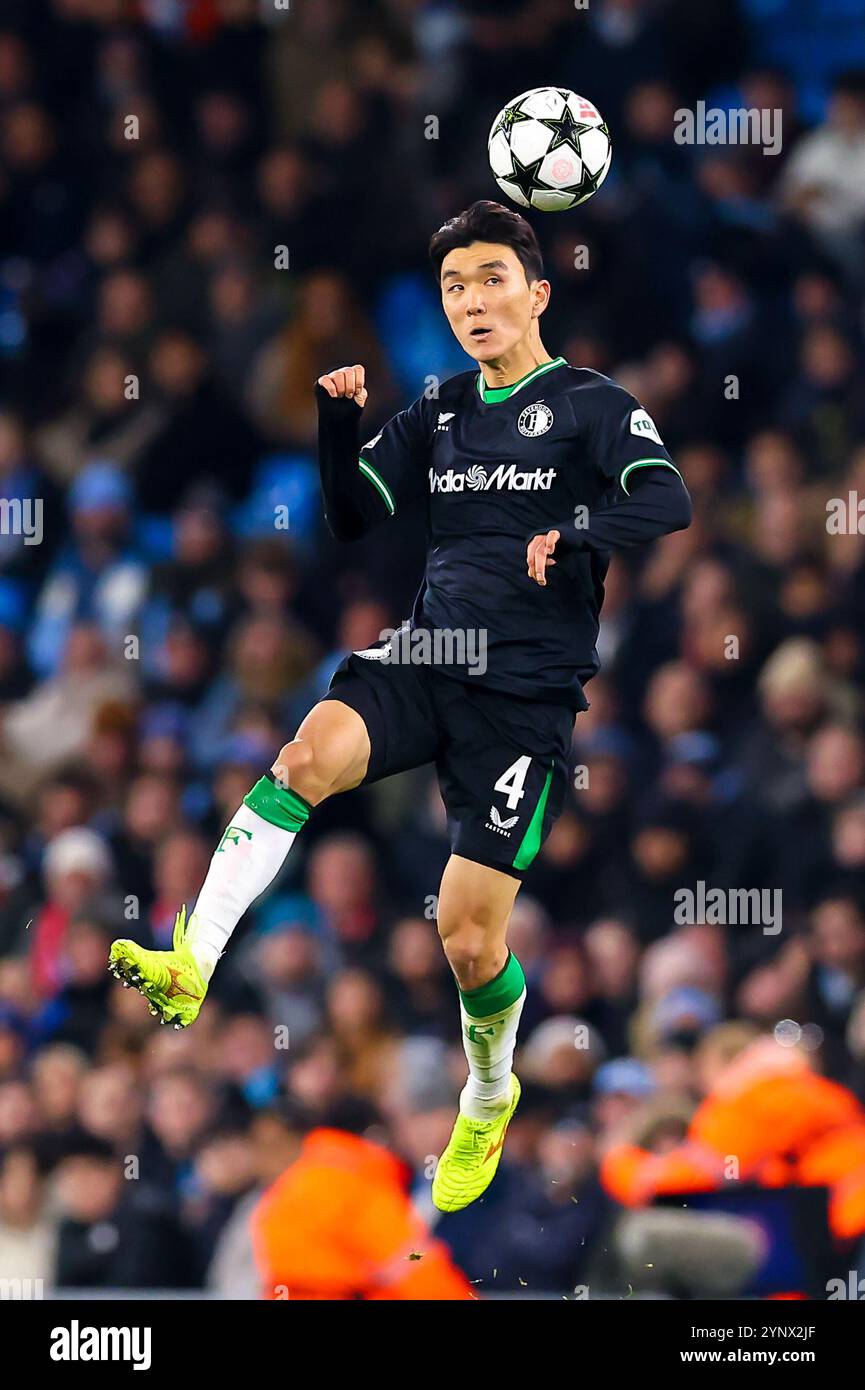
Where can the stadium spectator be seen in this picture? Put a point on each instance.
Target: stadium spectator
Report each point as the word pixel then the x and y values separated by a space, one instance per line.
pixel 28 1227
pixel 338 1224
pixel 784 1123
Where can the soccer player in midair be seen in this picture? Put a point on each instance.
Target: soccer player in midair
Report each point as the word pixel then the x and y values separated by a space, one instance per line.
pixel 532 472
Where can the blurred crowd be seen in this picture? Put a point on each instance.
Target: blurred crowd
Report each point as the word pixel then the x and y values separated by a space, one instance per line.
pixel 202 208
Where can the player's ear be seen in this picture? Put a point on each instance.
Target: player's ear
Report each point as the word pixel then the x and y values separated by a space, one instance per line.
pixel 540 297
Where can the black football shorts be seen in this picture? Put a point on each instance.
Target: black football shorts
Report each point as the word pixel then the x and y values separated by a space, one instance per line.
pixel 502 760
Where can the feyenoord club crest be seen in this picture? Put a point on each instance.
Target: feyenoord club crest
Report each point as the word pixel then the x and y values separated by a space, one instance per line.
pixel 536 419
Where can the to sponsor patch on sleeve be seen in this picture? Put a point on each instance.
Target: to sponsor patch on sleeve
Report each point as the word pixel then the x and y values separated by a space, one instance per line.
pixel 643 426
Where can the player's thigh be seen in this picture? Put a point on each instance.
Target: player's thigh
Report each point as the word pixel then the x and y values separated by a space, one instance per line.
pixel 393 700
pixel 475 900
pixel 376 719
pixel 329 753
pixel 503 773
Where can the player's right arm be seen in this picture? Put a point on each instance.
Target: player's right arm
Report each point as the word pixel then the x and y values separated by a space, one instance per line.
pixel 627 450
pixel 364 483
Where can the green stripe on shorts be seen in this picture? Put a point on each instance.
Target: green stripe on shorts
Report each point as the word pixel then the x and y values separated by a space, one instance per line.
pixel 531 841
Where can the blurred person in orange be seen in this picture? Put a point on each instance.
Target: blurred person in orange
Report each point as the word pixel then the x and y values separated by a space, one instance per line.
pixel 766 1105
pixel 338 1223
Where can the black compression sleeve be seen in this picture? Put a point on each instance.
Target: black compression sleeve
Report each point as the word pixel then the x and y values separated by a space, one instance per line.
pixel 351 505
pixel 661 504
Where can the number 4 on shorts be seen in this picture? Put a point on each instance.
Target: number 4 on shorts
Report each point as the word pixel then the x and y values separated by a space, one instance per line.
pixel 512 781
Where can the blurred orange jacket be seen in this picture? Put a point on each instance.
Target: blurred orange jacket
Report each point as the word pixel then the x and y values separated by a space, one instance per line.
pixel 339 1224
pixel 780 1121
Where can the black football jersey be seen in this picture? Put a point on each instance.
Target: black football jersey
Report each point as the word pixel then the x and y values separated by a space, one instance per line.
pixel 541 454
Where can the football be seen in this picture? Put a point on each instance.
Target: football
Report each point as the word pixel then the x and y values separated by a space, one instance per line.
pixel 549 149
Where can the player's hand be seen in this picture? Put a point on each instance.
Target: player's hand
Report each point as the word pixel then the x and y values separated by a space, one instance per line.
pixel 540 554
pixel 346 381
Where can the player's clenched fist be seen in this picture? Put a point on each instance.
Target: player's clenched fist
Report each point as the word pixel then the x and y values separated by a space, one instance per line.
pixel 540 553
pixel 346 381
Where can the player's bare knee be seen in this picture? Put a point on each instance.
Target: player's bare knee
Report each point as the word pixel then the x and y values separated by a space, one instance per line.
pixel 473 951
pixel 298 768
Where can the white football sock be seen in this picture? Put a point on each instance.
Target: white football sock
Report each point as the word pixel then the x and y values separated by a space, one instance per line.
pixel 248 858
pixel 489 1047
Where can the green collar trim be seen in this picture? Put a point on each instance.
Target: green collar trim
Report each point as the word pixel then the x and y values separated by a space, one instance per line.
pixel 492 395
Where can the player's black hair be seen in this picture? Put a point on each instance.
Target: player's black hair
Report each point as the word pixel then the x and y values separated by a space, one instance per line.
pixel 489 221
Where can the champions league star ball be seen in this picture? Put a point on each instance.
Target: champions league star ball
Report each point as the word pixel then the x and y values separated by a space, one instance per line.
pixel 549 149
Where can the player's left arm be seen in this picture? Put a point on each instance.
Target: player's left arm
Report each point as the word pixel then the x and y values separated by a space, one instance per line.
pixel 362 484
pixel 651 497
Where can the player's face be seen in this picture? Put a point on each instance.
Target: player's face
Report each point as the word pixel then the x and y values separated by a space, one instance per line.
pixel 486 298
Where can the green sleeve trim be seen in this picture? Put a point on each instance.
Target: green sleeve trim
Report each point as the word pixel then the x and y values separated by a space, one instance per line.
pixel 378 482
pixel 531 841
pixel 646 463
pixel 278 805
pixel 498 993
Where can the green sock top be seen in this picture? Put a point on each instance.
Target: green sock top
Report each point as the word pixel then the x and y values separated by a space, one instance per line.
pixel 498 993
pixel 279 805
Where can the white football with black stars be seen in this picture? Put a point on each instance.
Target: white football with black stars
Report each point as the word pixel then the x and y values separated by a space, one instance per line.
pixel 549 149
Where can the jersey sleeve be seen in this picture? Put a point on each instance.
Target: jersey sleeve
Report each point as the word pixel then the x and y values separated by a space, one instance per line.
pixel 363 483
pixel 622 444
pixel 395 461
pixel 622 436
